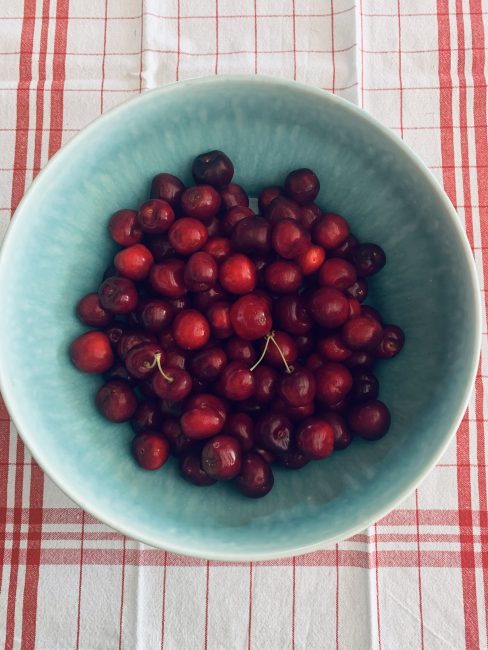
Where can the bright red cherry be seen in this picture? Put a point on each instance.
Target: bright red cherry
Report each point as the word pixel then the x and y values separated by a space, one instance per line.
pixel 283 276
pixel 236 382
pixel 134 262
pixel 315 438
pixel 124 228
pixel 167 278
pixel 250 316
pixel 330 231
pixel 200 272
pixel 118 295
pixel 150 450
pixel 187 235
pixel 222 457
pixel 155 216
pixel 219 317
pixel 333 383
pixel 311 260
pixel 256 477
pixel 92 352
pixel 237 274
pixel 191 330
pixel 218 248
pixel 201 423
pixel 289 239
pixel 200 202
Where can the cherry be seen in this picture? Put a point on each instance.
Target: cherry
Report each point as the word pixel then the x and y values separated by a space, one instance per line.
pixel 267 195
pixel 302 185
pixel 315 438
pixel 140 360
pixel 179 443
pixel 354 307
pixel 218 248
pixel 150 450
pixel 360 359
pixel 116 401
pixel 90 311
pixel 281 350
pixel 92 352
pixel 298 413
pixel 207 400
pixel 345 247
pixel 240 426
pixel 311 260
pixel 370 420
pixel 256 478
pixel 333 383
pixel 155 314
pixel 147 416
pixel 232 195
pixel 214 227
pixel 367 258
pixel 236 382
pixel 342 435
pixel 191 470
pixel 115 332
pixel 265 454
pixel 191 330
pixel 155 216
pixel 367 310
pixel 134 262
pixel 309 213
pixel 365 386
pixel 234 216
pixel 238 349
pixel 290 314
pixel 313 361
pixel 160 247
pixel 124 227
pixel 337 273
pixel 119 371
pixel 282 208
pixel 329 307
pixel 118 295
pixel 176 358
pixel 167 187
pixel 266 383
pixel 204 299
pixel 167 278
pixel 273 431
pixel 392 341
pixel 252 236
pixel 358 290
pixel 293 459
pixel 200 272
pixel 362 333
pixel 332 348
pixel 298 387
pixel 129 340
pixel 283 276
pixel 208 363
pixel 222 457
pixel 251 317
pixel 219 317
pixel 201 423
pixel 212 167
pixel 289 239
pixel 237 274
pixel 187 235
pixel 200 202
pixel 330 231
pixel 174 385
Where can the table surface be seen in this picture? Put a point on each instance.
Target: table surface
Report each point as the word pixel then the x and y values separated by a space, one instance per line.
pixel 416 579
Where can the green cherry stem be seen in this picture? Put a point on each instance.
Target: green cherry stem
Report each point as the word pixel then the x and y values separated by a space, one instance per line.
pixel 267 338
pixel 288 369
pixel 157 362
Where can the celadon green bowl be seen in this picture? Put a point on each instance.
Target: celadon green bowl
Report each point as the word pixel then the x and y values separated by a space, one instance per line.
pixel 58 247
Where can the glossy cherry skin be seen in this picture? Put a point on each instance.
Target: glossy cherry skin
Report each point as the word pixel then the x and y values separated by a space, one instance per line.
pixel 237 274
pixel 191 470
pixel 333 348
pixel 155 314
pixel 208 400
pixel 365 386
pixel 130 339
pixel 330 231
pixel 234 216
pixel 191 330
pixel 293 459
pixel 358 290
pixel 315 438
pixel 116 401
pixel 342 435
pixel 362 333
pixel 167 187
pixel 288 349
pixel 344 249
pixel 232 195
pixel 298 387
pixel 367 258
pixel 250 316
pixel 208 363
pixel 219 318
pixel 118 295
pixel 178 441
pixel 265 454
pixel 289 239
pixel 370 420
pixel 175 390
pixel 291 315
pixel 222 458
pixel 201 423
pixel 333 383
pixel 155 216
pixel 167 278
pixel 92 352
pixel 354 307
pixel 337 273
pixel 392 342
pixel 328 307
pixel 267 382
pixel 134 262
pixel 267 195
pixel 204 299
pixel 360 359
pixel 218 248
pixel 124 227
pixel 238 349
pixel 90 311
pixel 309 213
pixel 273 431
pixel 140 359
pixel 240 426
pixel 282 208
pixel 213 168
pixel 302 186
pixel 150 450
pixel 236 382
pixel 283 276
pixel 200 272
pixel 311 260
pixel 252 236
pixel 200 202
pixel 256 478
pixel 187 235
pixel 148 416
pixel 299 413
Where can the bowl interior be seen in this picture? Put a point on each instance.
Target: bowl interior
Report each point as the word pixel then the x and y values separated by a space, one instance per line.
pixel 58 249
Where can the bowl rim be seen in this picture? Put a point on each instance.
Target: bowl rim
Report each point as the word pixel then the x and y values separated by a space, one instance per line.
pixel 196 550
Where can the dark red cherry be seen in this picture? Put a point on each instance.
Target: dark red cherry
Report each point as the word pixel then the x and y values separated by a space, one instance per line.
pixel 124 227
pixel 140 361
pixel 155 216
pixel 315 438
pixel 116 401
pixel 218 248
pixel 167 187
pixel 118 295
pixel 155 314
pixel 200 272
pixel 200 202
pixel 333 383
pixel 293 459
pixel 360 359
pixel 330 231
pixel 148 416
pixel 358 290
pixel 238 349
pixel 282 208
pixel 283 345
pixel 365 386
pixel 160 247
pixel 291 315
pixel 267 381
pixel 212 168
pixel 256 477
pixel 273 431
pixel 191 470
pixel 179 443
pixel 370 420
pixel 267 195
pixel 367 258
pixel 208 363
pixel 342 435
pixel 204 299
pixel 250 316
pixel 130 339
pixel 222 458
pixel 90 311
pixel 234 216
pixel 232 195
pixel 283 276
pixel 236 382
pixel 345 247
pixel 333 348
pixel 150 450
pixel 329 307
pixel 174 386
pixel 298 387
pixel 302 186
pixel 362 333
pixel 240 426
pixel 337 273
pixel 252 236
pixel 309 213
pixel 392 341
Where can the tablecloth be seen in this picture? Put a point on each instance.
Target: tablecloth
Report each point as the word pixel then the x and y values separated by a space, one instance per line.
pixel 416 579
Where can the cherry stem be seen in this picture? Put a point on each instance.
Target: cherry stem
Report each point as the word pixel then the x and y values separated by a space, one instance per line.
pixel 268 338
pixel 288 369
pixel 157 362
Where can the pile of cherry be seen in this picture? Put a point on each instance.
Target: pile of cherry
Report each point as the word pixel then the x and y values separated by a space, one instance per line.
pixel 236 340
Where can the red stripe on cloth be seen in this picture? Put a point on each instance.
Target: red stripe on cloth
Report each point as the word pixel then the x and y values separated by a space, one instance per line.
pixel 216 69
pixel 207 580
pixel 376 562
pixel 421 611
pixel 163 605
pixel 59 71
pixel 4 448
pixel 255 38
pixel 40 87
pixel 81 560
pixel 249 625
pixel 104 55
pixel 293 600
pixel 337 598
pixel 122 588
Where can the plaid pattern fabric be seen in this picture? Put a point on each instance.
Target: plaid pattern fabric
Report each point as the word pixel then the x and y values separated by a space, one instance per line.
pixel 416 579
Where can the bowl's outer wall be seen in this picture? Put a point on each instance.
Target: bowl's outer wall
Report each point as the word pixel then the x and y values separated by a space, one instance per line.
pixel 58 250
